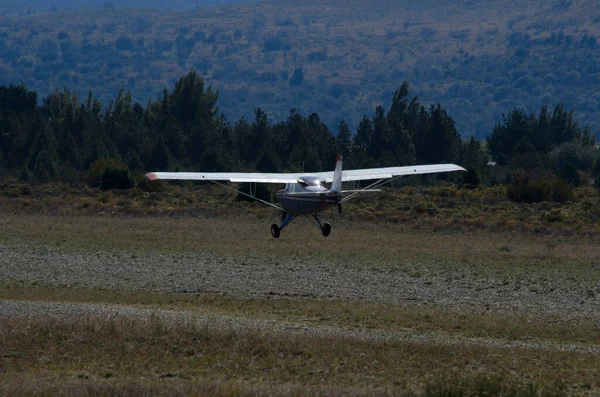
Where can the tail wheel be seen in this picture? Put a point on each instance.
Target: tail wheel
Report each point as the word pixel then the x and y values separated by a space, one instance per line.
pixel 275 231
pixel 326 230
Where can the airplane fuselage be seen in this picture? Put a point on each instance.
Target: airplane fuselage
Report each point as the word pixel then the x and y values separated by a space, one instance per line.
pixel 307 197
pixel 307 203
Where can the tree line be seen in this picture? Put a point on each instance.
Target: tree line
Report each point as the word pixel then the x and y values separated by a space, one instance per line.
pixel 184 130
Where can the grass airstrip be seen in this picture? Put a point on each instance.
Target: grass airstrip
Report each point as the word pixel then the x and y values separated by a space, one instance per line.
pixel 251 344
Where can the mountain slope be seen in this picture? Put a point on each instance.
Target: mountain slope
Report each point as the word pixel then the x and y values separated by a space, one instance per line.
pixel 338 58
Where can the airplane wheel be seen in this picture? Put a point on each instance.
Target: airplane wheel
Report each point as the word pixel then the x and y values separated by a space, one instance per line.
pixel 326 229
pixel 275 231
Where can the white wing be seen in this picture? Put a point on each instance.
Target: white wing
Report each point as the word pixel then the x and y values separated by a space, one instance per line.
pixel 256 177
pixel 347 176
pixel 389 172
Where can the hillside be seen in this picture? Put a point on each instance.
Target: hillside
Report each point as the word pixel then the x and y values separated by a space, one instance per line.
pixel 340 59
pixel 28 7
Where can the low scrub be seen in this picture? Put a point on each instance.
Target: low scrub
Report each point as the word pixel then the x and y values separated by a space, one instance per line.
pixel 531 189
pixel 110 173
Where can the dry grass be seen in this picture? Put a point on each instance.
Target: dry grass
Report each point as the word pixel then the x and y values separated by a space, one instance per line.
pixel 128 351
pixel 124 356
pixel 427 209
pixel 407 319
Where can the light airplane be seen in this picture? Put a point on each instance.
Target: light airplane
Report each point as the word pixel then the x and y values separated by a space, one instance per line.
pixel 304 193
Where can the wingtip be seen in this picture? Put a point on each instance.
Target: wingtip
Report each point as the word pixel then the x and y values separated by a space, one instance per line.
pixel 152 176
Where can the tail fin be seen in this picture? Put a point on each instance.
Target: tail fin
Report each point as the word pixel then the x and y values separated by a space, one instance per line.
pixel 336 186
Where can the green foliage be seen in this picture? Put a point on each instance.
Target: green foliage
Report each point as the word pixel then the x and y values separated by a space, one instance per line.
pixel 425 207
pixel 101 166
pixel 596 174
pixel 183 130
pixel 471 178
pixel 532 189
pixel 520 133
pixel 519 63
pixel 116 178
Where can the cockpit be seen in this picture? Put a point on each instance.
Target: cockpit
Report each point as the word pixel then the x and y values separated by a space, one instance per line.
pixel 305 183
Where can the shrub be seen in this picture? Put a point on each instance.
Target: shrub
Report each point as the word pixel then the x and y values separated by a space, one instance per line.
pixel 555 215
pixel 110 173
pixel 529 189
pixel 117 178
pixel 151 186
pixel 425 207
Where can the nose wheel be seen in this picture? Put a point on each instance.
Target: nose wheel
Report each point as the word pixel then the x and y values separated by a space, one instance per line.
pixel 275 231
pixel 326 229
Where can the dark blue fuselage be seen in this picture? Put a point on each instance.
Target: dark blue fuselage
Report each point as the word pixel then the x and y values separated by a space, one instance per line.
pixel 301 200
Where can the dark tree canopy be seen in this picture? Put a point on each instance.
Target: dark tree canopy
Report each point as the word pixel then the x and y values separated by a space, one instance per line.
pixel 184 130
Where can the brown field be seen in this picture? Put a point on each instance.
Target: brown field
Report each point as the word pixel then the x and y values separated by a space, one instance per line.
pixel 202 301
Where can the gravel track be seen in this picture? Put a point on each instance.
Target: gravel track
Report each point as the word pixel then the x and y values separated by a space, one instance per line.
pixel 66 311
pixel 313 278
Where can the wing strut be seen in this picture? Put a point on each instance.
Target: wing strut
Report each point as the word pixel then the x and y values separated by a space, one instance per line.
pixel 252 196
pixel 374 185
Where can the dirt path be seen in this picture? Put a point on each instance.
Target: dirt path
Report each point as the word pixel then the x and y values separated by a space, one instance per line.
pixel 312 278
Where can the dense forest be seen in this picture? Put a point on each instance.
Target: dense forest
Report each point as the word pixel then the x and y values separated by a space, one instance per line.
pixel 29 7
pixel 71 139
pixel 338 58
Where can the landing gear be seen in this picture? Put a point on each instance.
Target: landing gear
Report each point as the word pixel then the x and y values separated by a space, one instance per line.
pixel 325 227
pixel 288 217
pixel 275 231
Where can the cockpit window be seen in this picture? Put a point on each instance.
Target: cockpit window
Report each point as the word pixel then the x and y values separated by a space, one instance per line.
pixel 309 181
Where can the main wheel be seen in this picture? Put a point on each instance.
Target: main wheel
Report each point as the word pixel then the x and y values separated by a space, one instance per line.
pixel 275 231
pixel 326 229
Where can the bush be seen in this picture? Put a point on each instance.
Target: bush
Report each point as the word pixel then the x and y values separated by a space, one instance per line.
pixel 425 207
pixel 471 179
pixel 529 189
pixel 117 178
pixel 151 186
pixel 110 173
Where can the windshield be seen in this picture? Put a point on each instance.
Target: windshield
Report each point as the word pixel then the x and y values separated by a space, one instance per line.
pixel 309 181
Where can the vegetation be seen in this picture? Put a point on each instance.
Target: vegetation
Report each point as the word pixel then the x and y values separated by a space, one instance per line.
pixel 542 157
pixel 339 58
pixel 183 130
pixel 180 344
pixel 112 354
